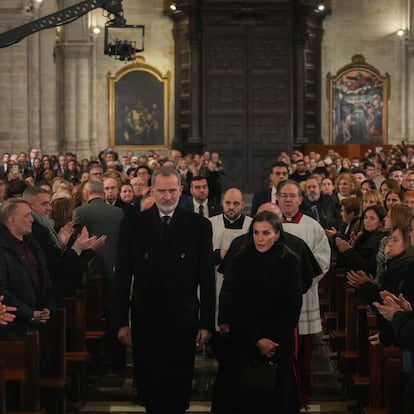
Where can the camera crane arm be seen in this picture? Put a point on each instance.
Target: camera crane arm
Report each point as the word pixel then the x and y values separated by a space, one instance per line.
pixel 62 17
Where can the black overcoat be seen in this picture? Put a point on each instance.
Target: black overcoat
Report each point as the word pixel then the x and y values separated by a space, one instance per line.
pixel 18 286
pixel 168 269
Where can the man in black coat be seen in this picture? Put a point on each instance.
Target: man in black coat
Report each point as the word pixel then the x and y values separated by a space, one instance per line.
pixel 320 206
pixel 279 172
pixel 169 252
pixel 24 280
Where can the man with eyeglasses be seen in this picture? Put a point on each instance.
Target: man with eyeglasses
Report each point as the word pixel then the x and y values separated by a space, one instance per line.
pixel 289 198
pixel 96 172
pixel 279 173
pixel 409 182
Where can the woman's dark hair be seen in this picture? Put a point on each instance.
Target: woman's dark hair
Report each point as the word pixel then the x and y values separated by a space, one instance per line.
pixel 277 226
pixel 391 184
pixel 380 211
pixel 271 218
pixel 370 183
pixel 408 254
pixel 400 195
pixel 16 188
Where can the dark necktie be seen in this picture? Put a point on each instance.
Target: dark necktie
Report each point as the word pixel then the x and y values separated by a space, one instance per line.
pixel 166 220
pixel 201 210
pixel 165 223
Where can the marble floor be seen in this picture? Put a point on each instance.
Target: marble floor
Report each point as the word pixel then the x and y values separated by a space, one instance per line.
pixel 115 394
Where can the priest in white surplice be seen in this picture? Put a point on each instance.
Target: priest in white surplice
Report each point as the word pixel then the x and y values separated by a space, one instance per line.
pixel 289 198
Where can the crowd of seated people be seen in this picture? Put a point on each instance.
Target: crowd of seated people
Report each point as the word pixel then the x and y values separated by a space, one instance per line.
pixel 365 207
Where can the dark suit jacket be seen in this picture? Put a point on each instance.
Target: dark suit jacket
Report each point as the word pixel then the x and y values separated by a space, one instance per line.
pixel 3 173
pixel 168 267
pixel 259 199
pixel 101 218
pixel 213 208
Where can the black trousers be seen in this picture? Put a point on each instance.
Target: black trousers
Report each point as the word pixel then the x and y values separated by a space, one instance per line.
pixel 116 351
pixel 226 383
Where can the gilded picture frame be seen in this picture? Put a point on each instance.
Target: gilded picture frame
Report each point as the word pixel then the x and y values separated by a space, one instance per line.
pixel 139 96
pixel 358 104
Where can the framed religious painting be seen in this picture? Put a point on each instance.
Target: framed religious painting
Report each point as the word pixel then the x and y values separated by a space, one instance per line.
pixel 358 96
pixel 139 97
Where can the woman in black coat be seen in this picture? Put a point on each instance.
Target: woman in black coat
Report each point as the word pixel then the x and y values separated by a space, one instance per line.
pixel 361 253
pixel 267 296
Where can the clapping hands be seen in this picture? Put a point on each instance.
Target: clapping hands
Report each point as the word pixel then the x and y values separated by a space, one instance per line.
pixel 392 304
pixel 358 278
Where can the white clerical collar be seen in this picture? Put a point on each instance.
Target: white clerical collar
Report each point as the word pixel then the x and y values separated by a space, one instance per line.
pixel 232 221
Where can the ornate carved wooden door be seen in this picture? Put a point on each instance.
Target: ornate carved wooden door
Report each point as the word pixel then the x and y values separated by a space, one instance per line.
pixel 247 96
pixel 247 82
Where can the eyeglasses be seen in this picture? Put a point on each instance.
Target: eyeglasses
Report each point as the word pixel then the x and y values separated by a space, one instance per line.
pixel 284 195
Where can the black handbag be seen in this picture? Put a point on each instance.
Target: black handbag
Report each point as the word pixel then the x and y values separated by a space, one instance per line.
pixel 259 375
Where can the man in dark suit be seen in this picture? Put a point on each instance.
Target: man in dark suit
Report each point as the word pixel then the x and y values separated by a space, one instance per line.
pixel 168 250
pixel 199 202
pixel 112 188
pixel 4 164
pixel 100 219
pixel 278 173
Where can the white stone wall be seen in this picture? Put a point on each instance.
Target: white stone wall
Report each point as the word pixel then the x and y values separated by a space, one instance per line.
pixel 159 53
pixel 66 108
pixel 27 110
pixel 368 27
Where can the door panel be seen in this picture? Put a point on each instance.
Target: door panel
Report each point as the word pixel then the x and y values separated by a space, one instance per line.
pixel 247 102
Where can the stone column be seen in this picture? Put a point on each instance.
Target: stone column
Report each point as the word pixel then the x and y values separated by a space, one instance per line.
pixel 409 93
pixel 14 82
pixel 75 110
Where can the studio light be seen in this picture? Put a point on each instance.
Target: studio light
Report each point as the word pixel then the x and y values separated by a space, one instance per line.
pixel 173 7
pixel 401 32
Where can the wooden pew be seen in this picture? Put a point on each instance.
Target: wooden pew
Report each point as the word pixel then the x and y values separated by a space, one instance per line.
pixel 386 382
pixel 76 355
pixel 95 334
pixel 337 335
pixel 53 379
pixel 3 400
pixel 21 360
pixel 360 378
pixel 385 377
